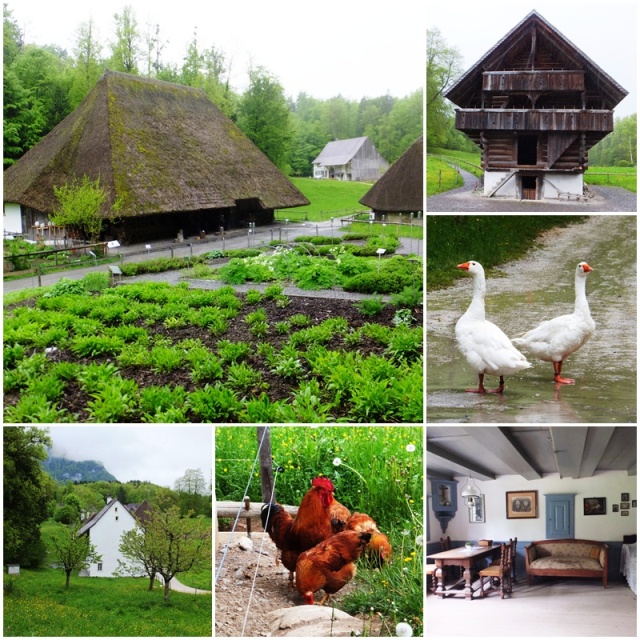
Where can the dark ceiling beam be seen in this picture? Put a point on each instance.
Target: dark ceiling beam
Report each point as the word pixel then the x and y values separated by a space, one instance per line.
pixel 595 446
pixel 501 445
pixel 440 457
pixel 568 448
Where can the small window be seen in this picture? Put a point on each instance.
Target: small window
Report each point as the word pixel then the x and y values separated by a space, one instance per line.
pixel 116 517
pixel 99 566
pixel 116 508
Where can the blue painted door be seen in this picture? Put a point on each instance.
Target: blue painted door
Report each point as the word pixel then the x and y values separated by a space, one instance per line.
pixel 560 511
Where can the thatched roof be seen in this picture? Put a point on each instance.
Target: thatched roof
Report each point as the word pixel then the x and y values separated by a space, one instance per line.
pixel 160 147
pixel 400 189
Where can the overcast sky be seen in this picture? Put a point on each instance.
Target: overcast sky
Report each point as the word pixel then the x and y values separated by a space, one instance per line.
pixel 605 32
pixel 355 48
pixel 158 454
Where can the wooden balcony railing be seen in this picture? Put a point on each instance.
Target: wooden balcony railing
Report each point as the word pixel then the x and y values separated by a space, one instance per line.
pixel 534 120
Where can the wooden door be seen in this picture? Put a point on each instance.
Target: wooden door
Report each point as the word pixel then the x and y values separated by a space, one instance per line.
pixel 560 513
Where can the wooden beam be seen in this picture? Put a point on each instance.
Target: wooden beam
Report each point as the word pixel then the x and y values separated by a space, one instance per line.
pixel 441 458
pixel 499 442
pixel 595 446
pixel 227 509
pixel 568 448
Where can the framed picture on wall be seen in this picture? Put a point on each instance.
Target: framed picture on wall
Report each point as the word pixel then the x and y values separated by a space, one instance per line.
pixel 624 497
pixel 614 508
pixel 595 506
pixel 476 510
pixel 624 505
pixel 624 513
pixel 522 504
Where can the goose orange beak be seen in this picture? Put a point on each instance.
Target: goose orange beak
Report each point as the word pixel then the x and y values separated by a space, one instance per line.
pixel 586 268
pixel 464 265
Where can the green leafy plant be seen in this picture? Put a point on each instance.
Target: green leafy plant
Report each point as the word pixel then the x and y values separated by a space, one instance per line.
pixel 410 297
pixel 214 403
pixel 93 376
pixel 300 320
pixel 115 401
pixel 163 402
pixel 232 351
pixel 370 306
pixel 166 359
pixel 273 291
pixel 405 345
pixel 253 296
pixel 91 346
pixel 403 318
pixel 241 377
pixel 37 409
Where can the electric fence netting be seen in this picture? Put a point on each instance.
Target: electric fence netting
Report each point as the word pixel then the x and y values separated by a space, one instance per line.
pixel 277 470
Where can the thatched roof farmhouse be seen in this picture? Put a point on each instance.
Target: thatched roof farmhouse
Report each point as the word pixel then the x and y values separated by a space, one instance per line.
pixel 400 188
pixel 171 156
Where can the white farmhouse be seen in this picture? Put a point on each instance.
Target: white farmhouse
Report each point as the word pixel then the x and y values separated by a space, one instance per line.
pixel 353 159
pixel 105 531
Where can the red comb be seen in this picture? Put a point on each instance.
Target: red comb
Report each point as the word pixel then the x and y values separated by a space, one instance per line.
pixel 323 483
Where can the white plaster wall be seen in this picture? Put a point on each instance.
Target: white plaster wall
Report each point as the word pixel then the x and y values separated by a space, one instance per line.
pixel 609 527
pixel 12 218
pixel 563 182
pixel 491 179
pixel 105 536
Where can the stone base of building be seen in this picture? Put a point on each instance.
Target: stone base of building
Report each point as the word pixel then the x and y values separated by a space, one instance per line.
pixel 533 185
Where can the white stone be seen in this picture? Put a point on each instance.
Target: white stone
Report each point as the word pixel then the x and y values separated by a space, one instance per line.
pixel 245 543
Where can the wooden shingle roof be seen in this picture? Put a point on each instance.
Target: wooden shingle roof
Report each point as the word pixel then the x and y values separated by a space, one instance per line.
pixel 158 146
pixel 571 57
pixel 400 189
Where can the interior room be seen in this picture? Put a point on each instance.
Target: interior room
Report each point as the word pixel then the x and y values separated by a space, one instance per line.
pixel 533 528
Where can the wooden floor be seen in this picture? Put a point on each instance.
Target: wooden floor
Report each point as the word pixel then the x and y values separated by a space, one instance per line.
pixel 549 608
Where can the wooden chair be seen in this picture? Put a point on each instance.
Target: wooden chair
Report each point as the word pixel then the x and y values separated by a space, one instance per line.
pixel 513 543
pixel 501 572
pixel 431 573
pixel 450 571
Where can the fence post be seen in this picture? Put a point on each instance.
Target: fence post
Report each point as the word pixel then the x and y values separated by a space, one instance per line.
pixel 439 178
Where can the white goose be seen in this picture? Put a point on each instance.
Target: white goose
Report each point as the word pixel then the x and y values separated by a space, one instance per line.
pixel 487 349
pixel 555 340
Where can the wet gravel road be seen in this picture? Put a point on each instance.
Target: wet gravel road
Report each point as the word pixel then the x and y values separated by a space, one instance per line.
pixel 463 198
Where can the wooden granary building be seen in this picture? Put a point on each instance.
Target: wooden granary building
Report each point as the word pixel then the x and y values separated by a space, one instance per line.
pixel 535 104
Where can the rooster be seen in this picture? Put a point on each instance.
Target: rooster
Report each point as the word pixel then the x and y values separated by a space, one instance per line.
pixel 379 548
pixel 311 526
pixel 329 565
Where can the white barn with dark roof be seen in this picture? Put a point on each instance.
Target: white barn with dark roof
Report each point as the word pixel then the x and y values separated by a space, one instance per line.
pixel 354 159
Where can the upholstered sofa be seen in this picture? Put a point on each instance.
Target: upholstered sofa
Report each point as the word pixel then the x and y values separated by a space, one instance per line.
pixel 568 558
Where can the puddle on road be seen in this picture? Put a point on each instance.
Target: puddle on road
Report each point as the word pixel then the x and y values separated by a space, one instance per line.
pixel 537 288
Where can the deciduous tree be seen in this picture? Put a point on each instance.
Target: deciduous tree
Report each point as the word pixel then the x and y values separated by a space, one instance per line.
pixel 72 552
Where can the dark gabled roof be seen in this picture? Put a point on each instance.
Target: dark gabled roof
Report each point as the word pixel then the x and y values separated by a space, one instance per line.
pixel 461 92
pixel 339 152
pixel 400 189
pixel 159 147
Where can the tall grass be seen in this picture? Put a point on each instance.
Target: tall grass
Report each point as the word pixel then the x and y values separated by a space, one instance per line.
pixel 490 240
pixel 375 470
pixel 441 176
pixel 37 604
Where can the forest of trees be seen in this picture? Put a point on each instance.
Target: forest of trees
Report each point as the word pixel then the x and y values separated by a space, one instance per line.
pixel 44 84
pixel 444 67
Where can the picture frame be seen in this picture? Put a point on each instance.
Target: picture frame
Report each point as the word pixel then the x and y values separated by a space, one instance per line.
pixel 614 508
pixel 476 510
pixel 624 513
pixel 634 504
pixel 595 506
pixel 624 497
pixel 625 505
pixel 522 504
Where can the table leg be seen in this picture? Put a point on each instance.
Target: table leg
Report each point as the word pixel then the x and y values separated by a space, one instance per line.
pixel 468 591
pixel 439 577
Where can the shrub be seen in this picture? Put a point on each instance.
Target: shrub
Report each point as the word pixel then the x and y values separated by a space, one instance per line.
pixel 96 281
pixel 623 163
pixel 319 275
pixel 410 297
pixel 273 291
pixel 64 287
pixel 370 306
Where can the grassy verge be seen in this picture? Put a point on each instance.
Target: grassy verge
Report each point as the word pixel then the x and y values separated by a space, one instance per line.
pixel 491 240
pixel 37 604
pixel 376 470
pixel 399 230
pixel 625 177
pixel 441 176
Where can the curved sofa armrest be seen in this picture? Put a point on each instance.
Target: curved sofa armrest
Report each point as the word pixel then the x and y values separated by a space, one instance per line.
pixel 531 554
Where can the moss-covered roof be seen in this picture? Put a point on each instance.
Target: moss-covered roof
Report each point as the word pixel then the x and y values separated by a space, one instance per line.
pixel 400 189
pixel 159 147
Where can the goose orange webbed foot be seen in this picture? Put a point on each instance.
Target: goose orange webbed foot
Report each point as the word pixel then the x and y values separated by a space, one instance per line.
pixel 557 369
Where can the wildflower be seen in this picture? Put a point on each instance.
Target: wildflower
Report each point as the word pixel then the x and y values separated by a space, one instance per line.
pixel 337 462
pixel 410 448
pixel 405 532
pixel 403 630
pixel 420 540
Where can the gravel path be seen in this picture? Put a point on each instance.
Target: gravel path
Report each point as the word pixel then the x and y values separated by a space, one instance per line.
pixel 465 199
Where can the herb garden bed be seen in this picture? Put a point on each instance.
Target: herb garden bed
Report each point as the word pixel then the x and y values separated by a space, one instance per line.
pixel 153 352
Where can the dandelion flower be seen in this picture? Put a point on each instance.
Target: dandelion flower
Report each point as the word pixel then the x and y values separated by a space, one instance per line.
pixel 420 540
pixel 403 630
pixel 410 448
pixel 337 462
pixel 405 532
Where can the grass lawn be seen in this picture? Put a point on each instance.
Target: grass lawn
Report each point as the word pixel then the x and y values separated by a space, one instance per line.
pixel 625 177
pixel 37 604
pixel 328 198
pixel 441 176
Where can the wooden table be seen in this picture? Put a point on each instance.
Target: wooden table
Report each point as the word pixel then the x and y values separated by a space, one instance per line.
pixel 460 557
